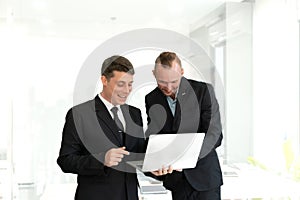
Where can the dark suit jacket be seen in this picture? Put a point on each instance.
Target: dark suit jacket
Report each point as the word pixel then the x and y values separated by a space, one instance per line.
pixel 90 131
pixel 197 110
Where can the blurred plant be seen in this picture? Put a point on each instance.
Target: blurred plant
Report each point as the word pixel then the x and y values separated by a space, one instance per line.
pixel 256 163
pixel 296 169
pixel 288 153
pixel 291 161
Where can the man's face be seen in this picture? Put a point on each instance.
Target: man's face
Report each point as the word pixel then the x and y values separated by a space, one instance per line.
pixel 168 79
pixel 117 89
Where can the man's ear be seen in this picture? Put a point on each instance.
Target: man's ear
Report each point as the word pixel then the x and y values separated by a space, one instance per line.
pixel 153 72
pixel 104 80
pixel 182 71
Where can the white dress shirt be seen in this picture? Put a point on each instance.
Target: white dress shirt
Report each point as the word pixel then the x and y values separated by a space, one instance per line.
pixel 109 106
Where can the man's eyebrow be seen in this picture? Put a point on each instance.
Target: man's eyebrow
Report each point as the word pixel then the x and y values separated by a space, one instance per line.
pixel 121 81
pixel 167 81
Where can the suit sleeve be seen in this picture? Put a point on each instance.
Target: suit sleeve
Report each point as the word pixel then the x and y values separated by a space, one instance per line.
pixel 210 122
pixel 148 132
pixel 138 120
pixel 73 157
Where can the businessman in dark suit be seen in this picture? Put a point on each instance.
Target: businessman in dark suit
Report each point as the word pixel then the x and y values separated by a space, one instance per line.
pixel 179 105
pixel 100 135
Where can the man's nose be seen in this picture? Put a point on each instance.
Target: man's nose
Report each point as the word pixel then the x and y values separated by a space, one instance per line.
pixel 169 86
pixel 127 89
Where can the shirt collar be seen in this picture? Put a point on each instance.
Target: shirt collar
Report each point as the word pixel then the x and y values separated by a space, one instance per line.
pixel 108 105
pixel 175 99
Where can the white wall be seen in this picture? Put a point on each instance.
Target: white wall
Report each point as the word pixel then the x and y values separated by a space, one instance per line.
pixel 231 26
pixel 275 79
pixel 238 81
pixel 37 80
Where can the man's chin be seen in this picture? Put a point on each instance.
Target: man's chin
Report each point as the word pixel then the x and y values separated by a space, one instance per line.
pixel 121 102
pixel 167 93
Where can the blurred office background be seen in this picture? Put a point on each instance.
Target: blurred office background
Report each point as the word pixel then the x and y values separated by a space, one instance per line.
pixel 253 51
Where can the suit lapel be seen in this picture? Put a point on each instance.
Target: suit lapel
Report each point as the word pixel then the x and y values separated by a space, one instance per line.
pixel 133 130
pixel 187 108
pixel 105 119
pixel 128 121
pixel 182 91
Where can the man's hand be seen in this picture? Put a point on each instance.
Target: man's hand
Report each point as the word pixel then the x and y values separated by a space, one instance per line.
pixel 163 171
pixel 114 156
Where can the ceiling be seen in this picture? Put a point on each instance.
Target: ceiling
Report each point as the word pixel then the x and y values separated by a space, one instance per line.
pixel 96 19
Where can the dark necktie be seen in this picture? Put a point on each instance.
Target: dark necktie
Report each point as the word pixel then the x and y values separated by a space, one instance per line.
pixel 117 120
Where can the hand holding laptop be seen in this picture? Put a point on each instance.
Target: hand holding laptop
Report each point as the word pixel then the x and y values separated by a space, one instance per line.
pixel 164 171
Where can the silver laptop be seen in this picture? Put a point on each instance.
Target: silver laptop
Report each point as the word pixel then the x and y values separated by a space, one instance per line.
pixel 181 151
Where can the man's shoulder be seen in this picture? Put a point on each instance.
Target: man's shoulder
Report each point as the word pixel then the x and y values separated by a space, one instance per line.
pixel 133 111
pixel 154 93
pixel 81 109
pixel 198 83
pixel 133 108
pixel 84 106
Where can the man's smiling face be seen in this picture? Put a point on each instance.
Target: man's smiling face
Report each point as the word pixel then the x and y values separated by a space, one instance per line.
pixel 117 88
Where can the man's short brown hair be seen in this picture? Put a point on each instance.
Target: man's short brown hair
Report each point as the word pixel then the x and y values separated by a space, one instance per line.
pixel 165 59
pixel 116 63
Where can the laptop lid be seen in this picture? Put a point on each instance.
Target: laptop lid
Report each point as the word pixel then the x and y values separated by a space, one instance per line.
pixel 181 151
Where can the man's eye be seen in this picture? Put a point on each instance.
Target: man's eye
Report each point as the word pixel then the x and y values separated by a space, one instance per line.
pixel 120 84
